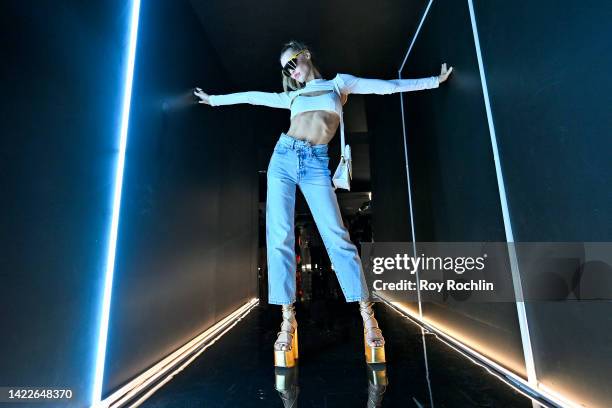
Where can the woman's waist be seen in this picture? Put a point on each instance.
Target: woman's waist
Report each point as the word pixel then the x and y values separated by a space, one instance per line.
pixel 317 129
pixel 295 142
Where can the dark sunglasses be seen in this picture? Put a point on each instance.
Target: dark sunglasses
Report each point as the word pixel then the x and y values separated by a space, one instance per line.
pixel 291 64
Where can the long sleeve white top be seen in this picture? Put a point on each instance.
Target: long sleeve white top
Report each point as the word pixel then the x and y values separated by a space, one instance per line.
pixel 346 83
pixel 342 84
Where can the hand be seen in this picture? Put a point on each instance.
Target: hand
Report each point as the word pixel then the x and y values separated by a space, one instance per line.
pixel 444 73
pixel 203 96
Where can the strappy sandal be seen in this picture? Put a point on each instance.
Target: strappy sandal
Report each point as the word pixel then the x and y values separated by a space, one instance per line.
pixel 373 340
pixel 286 345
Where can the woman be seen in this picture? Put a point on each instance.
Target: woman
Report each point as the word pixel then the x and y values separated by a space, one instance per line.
pixel 300 158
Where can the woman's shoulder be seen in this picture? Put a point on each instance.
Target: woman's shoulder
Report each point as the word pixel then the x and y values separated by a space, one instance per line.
pixel 344 80
pixel 343 77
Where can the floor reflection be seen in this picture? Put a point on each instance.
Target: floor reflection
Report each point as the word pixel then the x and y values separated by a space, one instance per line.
pixel 286 382
pixel 238 370
pixel 377 384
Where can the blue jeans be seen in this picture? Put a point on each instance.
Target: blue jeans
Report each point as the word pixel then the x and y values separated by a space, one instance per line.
pixel 297 162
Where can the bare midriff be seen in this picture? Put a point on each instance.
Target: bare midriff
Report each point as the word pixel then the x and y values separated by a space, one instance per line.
pixel 317 127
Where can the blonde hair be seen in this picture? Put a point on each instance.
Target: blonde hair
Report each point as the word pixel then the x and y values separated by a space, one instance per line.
pixel 288 82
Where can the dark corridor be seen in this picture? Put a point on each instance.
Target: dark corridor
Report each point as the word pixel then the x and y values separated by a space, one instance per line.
pixel 133 263
pixel 422 371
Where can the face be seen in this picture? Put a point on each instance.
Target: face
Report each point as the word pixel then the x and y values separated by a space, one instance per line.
pixel 301 72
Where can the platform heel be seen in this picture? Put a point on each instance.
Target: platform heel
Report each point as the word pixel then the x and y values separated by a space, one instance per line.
pixel 373 340
pixel 286 345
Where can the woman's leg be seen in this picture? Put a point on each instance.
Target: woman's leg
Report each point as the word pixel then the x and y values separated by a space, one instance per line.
pixel 317 188
pixel 323 203
pixel 280 238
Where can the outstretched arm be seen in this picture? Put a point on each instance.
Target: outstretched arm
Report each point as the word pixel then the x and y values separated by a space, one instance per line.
pixel 351 84
pixel 271 99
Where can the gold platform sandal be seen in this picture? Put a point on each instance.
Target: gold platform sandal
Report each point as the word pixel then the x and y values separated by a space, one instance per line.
pixel 286 345
pixel 373 340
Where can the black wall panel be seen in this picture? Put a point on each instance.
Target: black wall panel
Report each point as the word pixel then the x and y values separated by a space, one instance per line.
pixel 188 225
pixel 61 75
pixel 550 97
pixel 454 185
pixel 188 229
pixel 551 102
pixel 390 211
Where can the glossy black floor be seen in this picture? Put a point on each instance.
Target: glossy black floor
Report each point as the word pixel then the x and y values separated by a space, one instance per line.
pixel 238 371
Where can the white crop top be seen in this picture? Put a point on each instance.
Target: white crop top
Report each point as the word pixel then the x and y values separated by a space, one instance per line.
pixel 341 84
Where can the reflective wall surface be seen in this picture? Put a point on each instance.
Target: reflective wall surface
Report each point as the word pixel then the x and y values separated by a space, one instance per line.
pixel 454 185
pixel 62 78
pixel 187 241
pixel 188 235
pixel 551 131
pixel 421 371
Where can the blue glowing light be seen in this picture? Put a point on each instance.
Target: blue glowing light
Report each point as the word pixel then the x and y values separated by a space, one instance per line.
pixel 110 260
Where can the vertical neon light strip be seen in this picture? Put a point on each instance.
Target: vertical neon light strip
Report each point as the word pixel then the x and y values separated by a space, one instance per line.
pixel 414 37
pixel 399 74
pixel 514 268
pixel 516 279
pixel 110 260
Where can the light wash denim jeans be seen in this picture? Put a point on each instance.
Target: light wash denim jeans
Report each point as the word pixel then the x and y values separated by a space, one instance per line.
pixel 297 162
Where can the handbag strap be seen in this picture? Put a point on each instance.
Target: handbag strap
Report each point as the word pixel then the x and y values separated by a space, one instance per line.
pixel 342 143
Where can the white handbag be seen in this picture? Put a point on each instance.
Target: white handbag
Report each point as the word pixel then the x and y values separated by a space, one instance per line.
pixel 344 171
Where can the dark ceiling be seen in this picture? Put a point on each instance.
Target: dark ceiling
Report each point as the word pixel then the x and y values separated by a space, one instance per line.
pixel 363 38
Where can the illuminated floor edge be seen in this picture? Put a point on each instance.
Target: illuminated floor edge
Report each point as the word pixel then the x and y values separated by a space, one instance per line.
pixel 149 381
pixel 542 396
pixel 238 371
